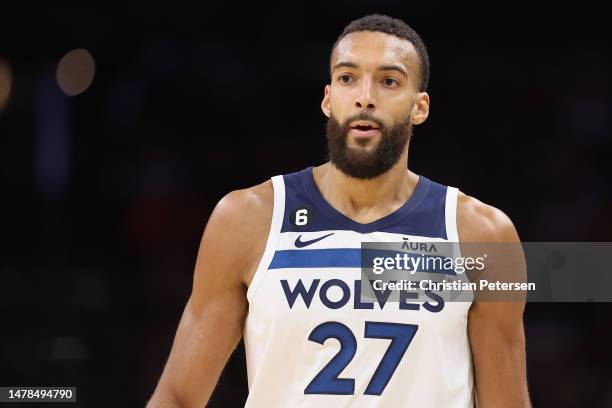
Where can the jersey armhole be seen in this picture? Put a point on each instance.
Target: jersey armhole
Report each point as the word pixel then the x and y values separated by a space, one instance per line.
pixel 450 217
pixel 276 224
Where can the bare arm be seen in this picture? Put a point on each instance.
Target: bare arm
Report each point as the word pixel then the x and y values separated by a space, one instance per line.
pixel 495 327
pixel 212 322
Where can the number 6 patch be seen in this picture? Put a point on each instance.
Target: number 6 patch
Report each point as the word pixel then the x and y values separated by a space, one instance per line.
pixel 301 216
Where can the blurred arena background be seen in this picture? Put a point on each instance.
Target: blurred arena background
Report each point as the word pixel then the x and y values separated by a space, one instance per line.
pixel 122 126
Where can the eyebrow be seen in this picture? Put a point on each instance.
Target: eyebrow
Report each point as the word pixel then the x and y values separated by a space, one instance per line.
pixel 381 67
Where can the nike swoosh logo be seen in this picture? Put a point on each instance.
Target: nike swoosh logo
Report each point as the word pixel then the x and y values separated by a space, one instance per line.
pixel 301 244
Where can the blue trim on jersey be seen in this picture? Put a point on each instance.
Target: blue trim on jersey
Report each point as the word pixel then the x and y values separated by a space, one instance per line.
pixel 351 258
pixel 317 258
pixel 421 215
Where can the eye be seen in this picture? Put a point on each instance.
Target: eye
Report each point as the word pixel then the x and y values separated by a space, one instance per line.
pixel 345 79
pixel 391 82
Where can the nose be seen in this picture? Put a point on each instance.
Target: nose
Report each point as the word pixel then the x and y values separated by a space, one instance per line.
pixel 366 99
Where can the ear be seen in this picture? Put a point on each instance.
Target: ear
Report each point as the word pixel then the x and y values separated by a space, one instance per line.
pixel 325 105
pixel 420 110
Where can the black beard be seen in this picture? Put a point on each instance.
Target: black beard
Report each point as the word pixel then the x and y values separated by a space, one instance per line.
pixel 366 164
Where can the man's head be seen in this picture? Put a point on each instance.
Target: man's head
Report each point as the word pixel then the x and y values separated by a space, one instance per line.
pixel 379 74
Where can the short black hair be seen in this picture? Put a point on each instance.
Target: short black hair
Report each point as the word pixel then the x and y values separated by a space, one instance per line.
pixel 391 26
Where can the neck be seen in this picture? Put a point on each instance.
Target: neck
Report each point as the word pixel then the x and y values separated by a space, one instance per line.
pixel 366 200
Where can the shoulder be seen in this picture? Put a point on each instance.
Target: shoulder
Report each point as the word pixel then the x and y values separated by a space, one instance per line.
pixel 237 230
pixel 247 203
pixel 480 222
pixel 244 215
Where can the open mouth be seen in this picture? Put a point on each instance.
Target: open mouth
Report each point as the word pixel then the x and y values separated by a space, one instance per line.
pixel 364 128
pixel 364 125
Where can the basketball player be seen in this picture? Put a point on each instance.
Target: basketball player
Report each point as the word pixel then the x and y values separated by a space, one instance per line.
pixel 277 264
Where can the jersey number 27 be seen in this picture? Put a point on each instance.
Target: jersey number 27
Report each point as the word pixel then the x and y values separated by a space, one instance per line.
pixel 327 381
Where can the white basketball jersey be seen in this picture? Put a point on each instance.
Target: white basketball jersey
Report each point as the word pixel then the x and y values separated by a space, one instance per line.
pixel 312 341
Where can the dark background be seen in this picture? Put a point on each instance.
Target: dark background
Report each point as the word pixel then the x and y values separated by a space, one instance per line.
pixel 105 195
